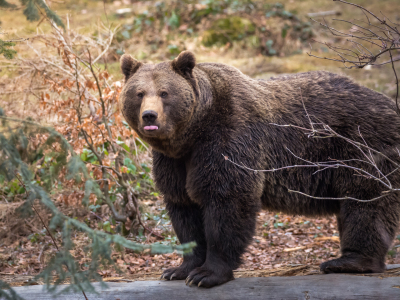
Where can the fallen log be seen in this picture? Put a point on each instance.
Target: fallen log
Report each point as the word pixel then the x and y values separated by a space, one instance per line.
pixel 330 286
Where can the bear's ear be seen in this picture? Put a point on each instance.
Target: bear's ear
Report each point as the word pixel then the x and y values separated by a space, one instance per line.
pixel 184 64
pixel 129 65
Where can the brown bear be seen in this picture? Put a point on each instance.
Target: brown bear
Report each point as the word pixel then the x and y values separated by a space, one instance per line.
pixel 195 114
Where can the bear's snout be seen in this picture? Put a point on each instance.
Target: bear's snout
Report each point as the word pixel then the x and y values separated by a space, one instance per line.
pixel 149 116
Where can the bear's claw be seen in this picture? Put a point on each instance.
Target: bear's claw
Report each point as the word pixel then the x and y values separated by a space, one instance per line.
pixel 175 273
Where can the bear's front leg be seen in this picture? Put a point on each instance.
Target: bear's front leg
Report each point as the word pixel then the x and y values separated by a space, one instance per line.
pixel 188 225
pixel 229 228
pixel 186 216
pixel 230 198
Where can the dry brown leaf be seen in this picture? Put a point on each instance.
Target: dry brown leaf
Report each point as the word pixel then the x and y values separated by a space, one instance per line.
pixel 293 249
pixel 327 238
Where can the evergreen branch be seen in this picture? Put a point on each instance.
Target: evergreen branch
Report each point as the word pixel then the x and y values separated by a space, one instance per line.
pixel 49 13
pixel 31 11
pixel 6 44
pixel 5 4
pixel 5 49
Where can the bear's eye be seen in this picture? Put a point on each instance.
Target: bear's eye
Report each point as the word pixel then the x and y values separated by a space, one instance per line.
pixel 164 94
pixel 140 95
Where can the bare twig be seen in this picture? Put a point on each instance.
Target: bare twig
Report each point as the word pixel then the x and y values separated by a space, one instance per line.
pixel 342 198
pixel 140 219
pixel 48 231
pixel 397 83
pixel 41 253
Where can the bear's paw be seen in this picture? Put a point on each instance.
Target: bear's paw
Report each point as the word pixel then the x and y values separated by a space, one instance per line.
pixel 353 263
pixel 205 277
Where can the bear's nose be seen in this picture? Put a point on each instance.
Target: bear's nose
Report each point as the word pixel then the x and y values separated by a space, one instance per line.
pixel 149 116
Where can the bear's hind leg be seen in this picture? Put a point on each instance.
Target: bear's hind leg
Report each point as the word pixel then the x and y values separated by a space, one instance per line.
pixel 366 233
pixel 188 225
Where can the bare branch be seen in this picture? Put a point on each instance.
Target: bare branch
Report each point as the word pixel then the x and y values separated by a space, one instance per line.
pixel 344 198
pixel 397 83
pixel 382 39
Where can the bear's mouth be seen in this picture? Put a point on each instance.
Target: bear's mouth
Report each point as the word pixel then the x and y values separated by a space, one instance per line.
pixel 150 128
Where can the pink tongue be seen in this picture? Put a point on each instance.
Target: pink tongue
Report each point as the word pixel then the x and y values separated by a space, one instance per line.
pixel 152 127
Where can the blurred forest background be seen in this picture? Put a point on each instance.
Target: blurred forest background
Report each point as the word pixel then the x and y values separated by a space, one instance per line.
pixel 65 75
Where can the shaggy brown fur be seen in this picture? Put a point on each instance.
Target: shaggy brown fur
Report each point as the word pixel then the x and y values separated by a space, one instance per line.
pixel 206 110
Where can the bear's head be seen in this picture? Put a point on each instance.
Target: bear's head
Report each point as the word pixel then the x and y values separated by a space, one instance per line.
pixel 158 100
